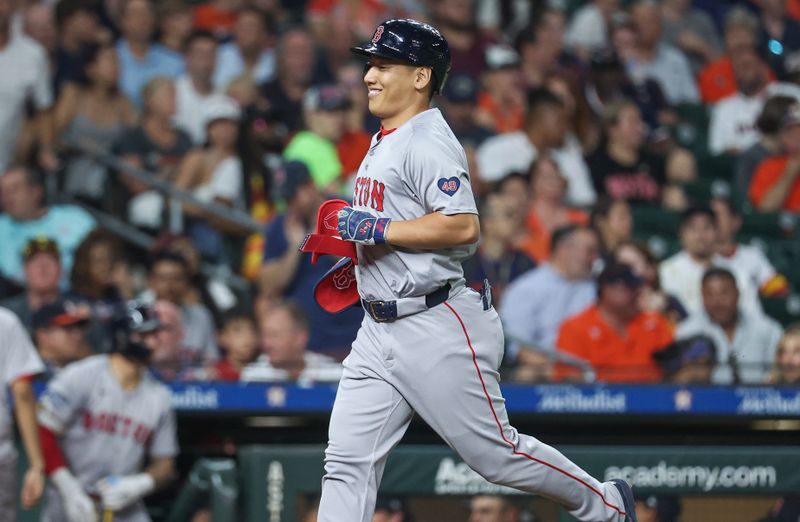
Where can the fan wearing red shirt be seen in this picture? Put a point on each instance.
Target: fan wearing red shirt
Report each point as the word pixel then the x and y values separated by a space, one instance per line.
pixel 776 183
pixel 614 335
pixel 238 339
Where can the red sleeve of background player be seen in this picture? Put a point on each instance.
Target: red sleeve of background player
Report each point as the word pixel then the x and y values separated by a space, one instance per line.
pixel 53 457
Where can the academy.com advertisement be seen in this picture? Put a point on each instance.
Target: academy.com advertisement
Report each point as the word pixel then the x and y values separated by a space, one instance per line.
pixel 704 478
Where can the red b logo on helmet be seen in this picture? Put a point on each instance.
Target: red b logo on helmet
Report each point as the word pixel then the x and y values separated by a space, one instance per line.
pixel 378 33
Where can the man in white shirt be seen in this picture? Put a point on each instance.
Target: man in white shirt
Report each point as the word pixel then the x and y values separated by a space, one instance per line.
pixel 284 332
pixel 660 61
pixel 195 89
pixel 26 79
pixel 746 341
pixel 588 29
pixel 544 131
pixel 249 53
pixel 733 119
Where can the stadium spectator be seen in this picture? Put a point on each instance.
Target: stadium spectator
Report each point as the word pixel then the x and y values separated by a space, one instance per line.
pixel 537 302
pixel 391 509
pixel 26 217
pixel 716 80
pixel 546 209
pixel 541 49
pixel 171 359
pixel 785 509
pixel 681 273
pixel 30 83
pixel 457 104
pixel 516 188
pixel 613 221
pixel 354 143
pixel 42 268
pixel 456 21
pixel 284 334
pixel 652 297
pixel 324 115
pixel 174 25
pixel 169 280
pixel 288 274
pixel 650 508
pixel 615 336
pixel 658 60
pixel 583 132
pixel 60 334
pixel 238 339
pixel 779 39
pixel 501 104
pixel 77 26
pixel 217 17
pixel 94 279
pixel 493 508
pixel 691 31
pixel 295 60
pixel 545 131
pixel 251 51
pixel 363 16
pixel 786 369
pixel 732 128
pixel 690 361
pixel 746 341
pixel 40 26
pixel 91 112
pixel 753 271
pixel 214 175
pixel 622 169
pixel 768 125
pixel 775 185
pixel 587 31
pixel 20 363
pixel 140 59
pixel 496 258
pixel 195 89
pixel 156 146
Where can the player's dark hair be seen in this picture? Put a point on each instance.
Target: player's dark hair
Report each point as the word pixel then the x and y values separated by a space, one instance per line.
pixel 694 211
pixel 717 272
pixel 166 256
pixel 771 117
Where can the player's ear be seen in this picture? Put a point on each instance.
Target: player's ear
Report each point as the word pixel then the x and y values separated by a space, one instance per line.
pixel 422 78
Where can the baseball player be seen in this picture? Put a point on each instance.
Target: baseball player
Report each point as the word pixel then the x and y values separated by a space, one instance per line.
pixel 100 418
pixel 428 344
pixel 18 362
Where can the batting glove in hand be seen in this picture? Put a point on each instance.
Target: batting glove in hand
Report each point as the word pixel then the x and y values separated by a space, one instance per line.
pixel 117 493
pixel 362 227
pixel 77 504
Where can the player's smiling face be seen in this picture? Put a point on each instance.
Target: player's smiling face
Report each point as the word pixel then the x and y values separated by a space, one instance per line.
pixel 393 87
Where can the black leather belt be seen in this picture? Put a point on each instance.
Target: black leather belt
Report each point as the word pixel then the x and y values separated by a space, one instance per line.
pixel 386 311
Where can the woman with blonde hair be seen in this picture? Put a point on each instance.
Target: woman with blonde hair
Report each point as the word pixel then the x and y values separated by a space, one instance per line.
pixel 787 359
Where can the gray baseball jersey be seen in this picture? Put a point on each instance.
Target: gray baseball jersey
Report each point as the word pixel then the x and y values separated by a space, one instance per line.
pixel 104 429
pixel 441 363
pixel 418 169
pixel 18 359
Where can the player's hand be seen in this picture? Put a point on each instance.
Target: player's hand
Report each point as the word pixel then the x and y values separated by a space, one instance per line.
pixel 77 504
pixel 32 487
pixel 117 493
pixel 362 227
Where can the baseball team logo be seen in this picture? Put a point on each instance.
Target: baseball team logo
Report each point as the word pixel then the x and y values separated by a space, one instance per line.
pixel 377 35
pixel 331 220
pixel 449 186
pixel 345 277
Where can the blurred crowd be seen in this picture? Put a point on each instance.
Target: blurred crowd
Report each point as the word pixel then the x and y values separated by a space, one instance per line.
pixel 588 126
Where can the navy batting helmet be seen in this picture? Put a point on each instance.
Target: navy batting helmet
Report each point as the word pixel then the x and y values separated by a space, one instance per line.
pixel 411 42
pixel 136 317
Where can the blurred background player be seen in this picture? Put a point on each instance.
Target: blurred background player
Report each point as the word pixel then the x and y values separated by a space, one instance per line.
pixel 100 420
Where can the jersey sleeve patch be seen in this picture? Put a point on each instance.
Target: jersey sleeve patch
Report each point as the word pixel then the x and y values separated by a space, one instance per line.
pixel 449 186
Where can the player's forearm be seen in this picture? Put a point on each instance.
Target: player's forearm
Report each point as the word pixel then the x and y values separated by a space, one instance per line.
pixel 774 198
pixel 162 471
pixel 276 275
pixel 434 231
pixel 25 401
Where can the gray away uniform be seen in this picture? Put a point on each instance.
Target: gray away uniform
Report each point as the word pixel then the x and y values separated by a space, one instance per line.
pixel 440 363
pixel 106 430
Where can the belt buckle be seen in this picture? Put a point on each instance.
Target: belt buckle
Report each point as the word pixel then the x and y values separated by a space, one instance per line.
pixel 378 318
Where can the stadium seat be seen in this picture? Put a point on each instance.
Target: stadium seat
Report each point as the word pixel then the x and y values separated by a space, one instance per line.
pixel 771 226
pixel 716 166
pixel 785 310
pixel 702 189
pixel 649 220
